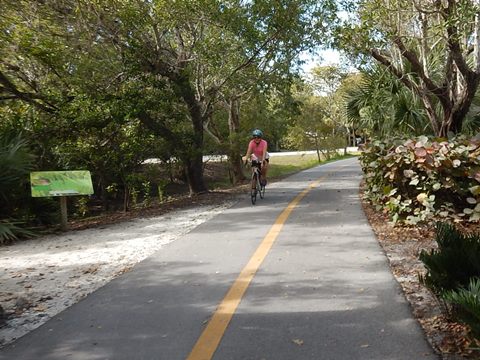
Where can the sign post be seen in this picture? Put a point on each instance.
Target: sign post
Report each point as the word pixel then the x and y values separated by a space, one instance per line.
pixel 63 213
pixel 61 184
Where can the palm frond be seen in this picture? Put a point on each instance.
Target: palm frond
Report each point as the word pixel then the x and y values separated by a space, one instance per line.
pixel 16 162
pixel 10 230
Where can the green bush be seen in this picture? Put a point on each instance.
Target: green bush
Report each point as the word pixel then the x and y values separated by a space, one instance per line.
pixel 467 301
pixel 12 230
pixel 16 162
pixel 421 179
pixel 454 263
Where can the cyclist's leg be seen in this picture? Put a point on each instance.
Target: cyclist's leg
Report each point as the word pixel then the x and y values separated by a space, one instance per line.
pixel 264 172
pixel 254 178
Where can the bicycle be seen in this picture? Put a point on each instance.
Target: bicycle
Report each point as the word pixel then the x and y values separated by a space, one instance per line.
pixel 256 185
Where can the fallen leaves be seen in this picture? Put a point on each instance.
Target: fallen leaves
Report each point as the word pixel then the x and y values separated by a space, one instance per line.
pixel 40 308
pixel 298 342
pixel 402 246
pixel 91 269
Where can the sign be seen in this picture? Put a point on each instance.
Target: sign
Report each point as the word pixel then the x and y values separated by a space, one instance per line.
pixel 61 183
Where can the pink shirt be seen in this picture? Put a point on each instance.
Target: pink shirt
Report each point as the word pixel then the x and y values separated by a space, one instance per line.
pixel 257 149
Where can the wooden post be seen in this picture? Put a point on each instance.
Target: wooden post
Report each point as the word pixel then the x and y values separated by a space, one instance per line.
pixel 63 211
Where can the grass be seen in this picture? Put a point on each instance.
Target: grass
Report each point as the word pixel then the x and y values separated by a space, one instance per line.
pixel 289 164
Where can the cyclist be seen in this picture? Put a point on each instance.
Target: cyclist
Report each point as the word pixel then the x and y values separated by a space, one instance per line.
pixel 257 150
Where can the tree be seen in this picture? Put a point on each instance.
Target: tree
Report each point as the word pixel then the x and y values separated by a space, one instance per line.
pixel 311 127
pixel 431 47
pixel 199 47
pixel 380 104
pixel 27 66
pixel 314 126
pixel 330 82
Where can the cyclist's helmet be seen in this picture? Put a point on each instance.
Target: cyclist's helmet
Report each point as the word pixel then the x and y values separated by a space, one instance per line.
pixel 257 133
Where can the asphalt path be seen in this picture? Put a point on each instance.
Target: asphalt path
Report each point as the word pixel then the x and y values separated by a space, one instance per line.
pixel 294 277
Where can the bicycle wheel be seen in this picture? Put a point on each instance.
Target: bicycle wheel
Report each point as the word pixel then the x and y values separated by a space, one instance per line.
pixel 260 188
pixel 262 191
pixel 253 189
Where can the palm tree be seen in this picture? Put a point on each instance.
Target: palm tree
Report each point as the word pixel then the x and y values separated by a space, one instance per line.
pixel 16 162
pixel 384 107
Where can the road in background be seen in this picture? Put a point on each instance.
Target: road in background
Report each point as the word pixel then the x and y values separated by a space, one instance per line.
pixel 206 158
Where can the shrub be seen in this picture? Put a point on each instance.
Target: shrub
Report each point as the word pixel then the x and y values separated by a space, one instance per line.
pixel 421 179
pixel 16 162
pixel 454 263
pixel 467 301
pixel 12 230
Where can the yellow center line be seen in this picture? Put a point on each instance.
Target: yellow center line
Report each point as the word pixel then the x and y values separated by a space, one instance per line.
pixel 208 341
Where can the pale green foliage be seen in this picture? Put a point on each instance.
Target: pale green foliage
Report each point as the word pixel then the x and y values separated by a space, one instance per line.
pixel 12 230
pixel 320 124
pixel 311 124
pixel 81 206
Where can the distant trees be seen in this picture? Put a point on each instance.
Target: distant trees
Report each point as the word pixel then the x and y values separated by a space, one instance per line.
pixel 321 122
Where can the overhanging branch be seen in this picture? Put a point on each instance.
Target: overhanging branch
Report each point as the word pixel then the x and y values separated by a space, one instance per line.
pixel 30 98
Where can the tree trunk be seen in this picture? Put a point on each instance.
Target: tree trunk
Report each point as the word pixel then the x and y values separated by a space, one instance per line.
pixel 461 112
pixel 194 172
pixel 235 151
pixel 126 197
pixel 194 166
pixel 317 147
pixel 455 114
pixel 435 122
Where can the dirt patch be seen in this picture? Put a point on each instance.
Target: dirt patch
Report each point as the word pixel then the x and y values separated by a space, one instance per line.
pixel 157 209
pixel 43 276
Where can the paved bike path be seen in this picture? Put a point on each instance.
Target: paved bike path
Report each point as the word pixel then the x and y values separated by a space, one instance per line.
pixel 324 291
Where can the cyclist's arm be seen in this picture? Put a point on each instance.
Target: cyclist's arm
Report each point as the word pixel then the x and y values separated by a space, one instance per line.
pixel 249 153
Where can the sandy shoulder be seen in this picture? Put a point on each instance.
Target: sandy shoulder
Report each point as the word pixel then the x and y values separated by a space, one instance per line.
pixel 42 277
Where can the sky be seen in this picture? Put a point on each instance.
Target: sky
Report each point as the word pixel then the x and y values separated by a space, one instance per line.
pixel 325 57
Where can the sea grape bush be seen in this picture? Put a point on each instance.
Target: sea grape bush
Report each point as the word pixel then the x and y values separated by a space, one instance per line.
pixel 422 179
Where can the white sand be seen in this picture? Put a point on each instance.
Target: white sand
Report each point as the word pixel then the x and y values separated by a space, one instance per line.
pixel 42 277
